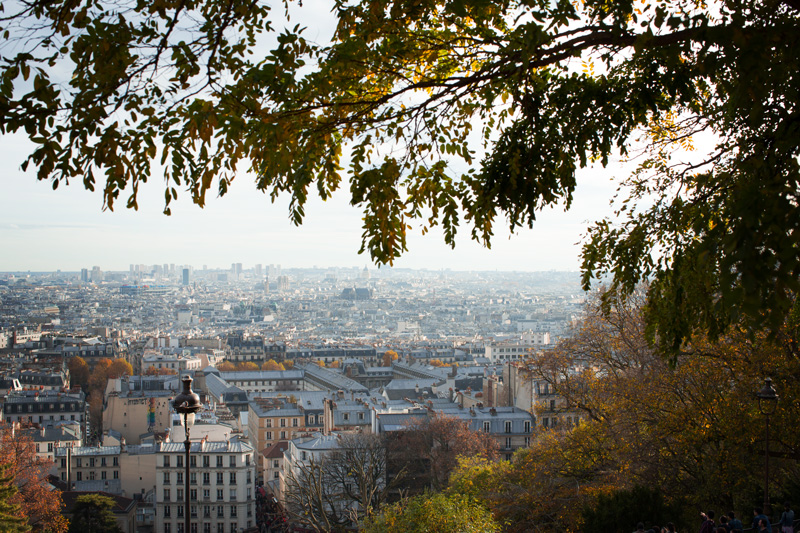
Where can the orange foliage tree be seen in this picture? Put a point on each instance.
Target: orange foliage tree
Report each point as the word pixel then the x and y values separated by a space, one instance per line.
pixel 226 366
pixel 389 356
pixel 246 366
pixel 690 427
pixel 272 366
pixel 78 372
pixel 38 504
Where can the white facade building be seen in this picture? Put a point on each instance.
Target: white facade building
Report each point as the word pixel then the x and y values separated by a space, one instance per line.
pixel 222 481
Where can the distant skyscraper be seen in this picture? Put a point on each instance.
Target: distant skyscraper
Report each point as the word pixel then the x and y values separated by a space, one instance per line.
pixel 258 271
pixel 185 276
pixel 85 275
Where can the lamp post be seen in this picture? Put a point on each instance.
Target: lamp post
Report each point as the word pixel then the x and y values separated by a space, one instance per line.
pixel 187 403
pixel 767 403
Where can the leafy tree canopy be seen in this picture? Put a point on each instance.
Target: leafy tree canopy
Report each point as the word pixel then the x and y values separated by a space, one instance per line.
pixel 434 513
pixel 92 514
pixel 454 113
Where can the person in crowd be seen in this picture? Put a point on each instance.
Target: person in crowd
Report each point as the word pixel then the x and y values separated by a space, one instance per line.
pixel 734 523
pixel 708 525
pixel 758 516
pixel 787 519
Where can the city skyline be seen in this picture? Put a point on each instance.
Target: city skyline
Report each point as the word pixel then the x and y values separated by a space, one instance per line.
pixel 43 230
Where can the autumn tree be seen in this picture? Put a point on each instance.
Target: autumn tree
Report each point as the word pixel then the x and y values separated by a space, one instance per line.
pixel 389 356
pixel 226 366
pixel 78 372
pixel 436 362
pixel 691 428
pixel 272 366
pixel 92 513
pixel 39 504
pixel 118 368
pixel 430 448
pixel 247 366
pixel 288 364
pixel 442 513
pixel 153 371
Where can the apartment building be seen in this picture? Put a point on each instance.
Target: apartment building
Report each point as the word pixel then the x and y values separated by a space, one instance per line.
pixel 222 482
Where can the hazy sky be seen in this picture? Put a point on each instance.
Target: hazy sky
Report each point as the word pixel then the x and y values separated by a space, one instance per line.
pixel 42 229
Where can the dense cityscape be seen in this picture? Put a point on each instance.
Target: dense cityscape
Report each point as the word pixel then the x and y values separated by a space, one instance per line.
pixel 288 364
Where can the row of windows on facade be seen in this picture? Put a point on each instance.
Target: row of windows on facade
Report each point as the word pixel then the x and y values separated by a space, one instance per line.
pixel 91 461
pixel 91 475
pixel 206 511
pixel 232 528
pixel 487 426
pixel 28 408
pixel 220 478
pixel 42 418
pixel 206 496
pixel 241 383
pixel 206 461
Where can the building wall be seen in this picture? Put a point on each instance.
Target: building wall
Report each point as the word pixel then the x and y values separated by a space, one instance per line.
pixel 130 415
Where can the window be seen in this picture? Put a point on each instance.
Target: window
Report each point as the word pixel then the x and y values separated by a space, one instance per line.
pixel 269 422
pixel 219 460
pixel 179 495
pixel 49 446
pixel 166 477
pixel 345 416
pixel 275 463
pixel 91 475
pixel 180 511
pixel 233 478
pixel 207 527
pixel 180 527
pixel 179 477
pixel 552 405
pixel 527 426
pixel 294 422
pixel 206 461
pixel 233 495
pixel 193 495
pixel 269 435
pixel 283 422
pixel 193 478
pixel 91 462
pixel 220 481
pixel 116 474
pixel 233 511
pixel 220 497
pixel 487 426
pixel 283 435
pixel 166 495
pixel 102 461
pixel 527 441
pixel 220 512
pixel 249 479
pixel 80 462
pixel 247 460
pixel 206 478
pixel 166 460
pixel 115 462
pixel 79 476
pixel 179 461
pixel 276 475
pixel 232 460
pixel 167 511
pixel 206 494
pixel 508 443
pixel 508 426
pixel 545 422
pixel 63 463
pixel 103 474
pixel 220 528
pixel 193 461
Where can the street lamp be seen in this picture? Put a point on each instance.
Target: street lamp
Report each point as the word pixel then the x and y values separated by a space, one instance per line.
pixel 187 403
pixel 767 403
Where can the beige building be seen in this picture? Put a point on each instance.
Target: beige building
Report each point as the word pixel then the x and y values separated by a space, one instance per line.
pixel 135 415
